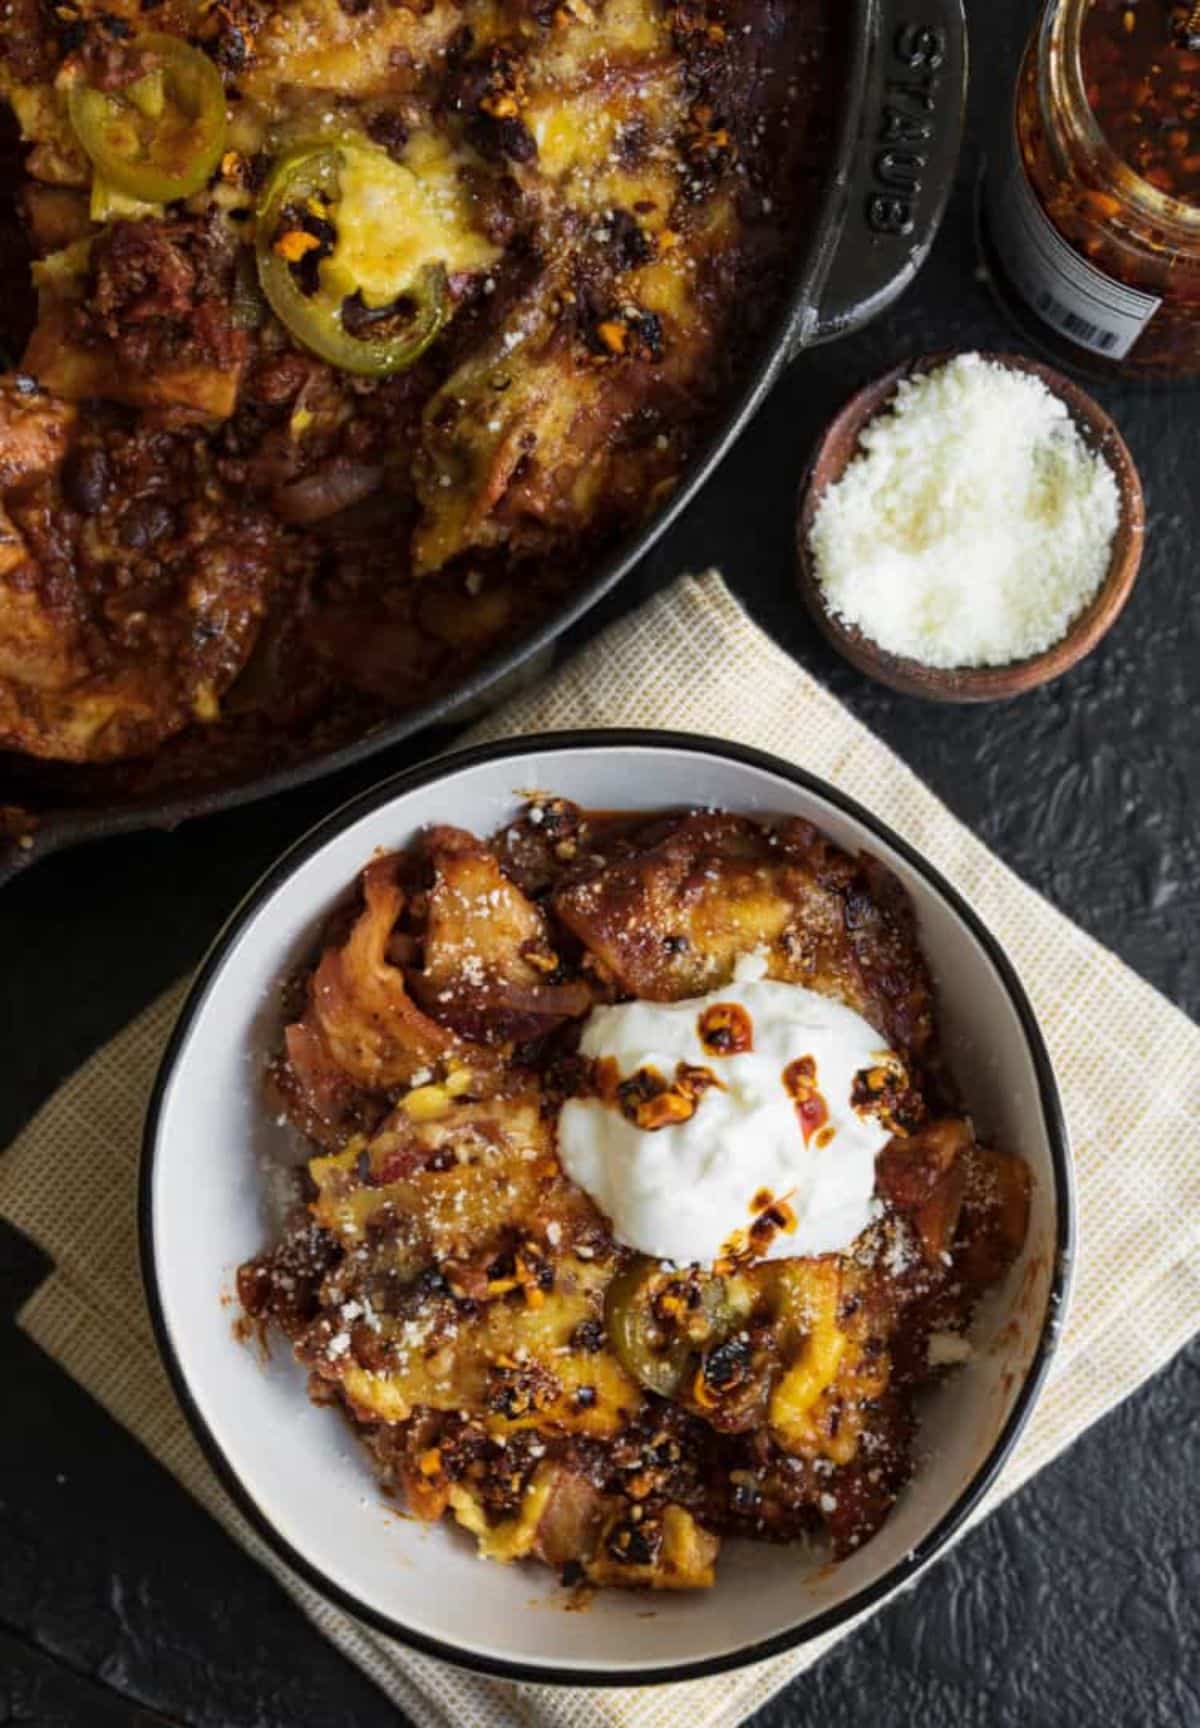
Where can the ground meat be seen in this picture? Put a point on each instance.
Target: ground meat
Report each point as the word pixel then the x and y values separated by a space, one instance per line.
pixel 284 1284
pixel 27 43
pixel 106 61
pixel 140 593
pixel 160 292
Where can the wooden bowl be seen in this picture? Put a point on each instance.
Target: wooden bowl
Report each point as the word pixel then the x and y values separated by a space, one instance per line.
pixel 975 683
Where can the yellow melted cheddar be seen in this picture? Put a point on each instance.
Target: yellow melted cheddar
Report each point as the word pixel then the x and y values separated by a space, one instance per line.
pixel 396 217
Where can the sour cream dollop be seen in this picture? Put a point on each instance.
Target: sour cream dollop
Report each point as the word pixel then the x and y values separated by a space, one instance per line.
pixel 766 1131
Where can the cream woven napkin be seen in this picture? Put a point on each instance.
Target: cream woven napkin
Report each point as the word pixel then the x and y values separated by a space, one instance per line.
pixel 1128 1064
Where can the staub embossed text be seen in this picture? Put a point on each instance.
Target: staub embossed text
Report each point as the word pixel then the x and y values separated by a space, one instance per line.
pixel 906 127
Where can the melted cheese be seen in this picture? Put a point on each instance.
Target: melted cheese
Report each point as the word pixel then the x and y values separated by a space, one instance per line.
pixel 665 286
pixel 454 1206
pixel 41 112
pixel 511 1538
pixel 108 202
pixel 812 1288
pixel 578 131
pixel 315 45
pixel 620 29
pixel 394 218
pixel 685 1561
pixel 452 1373
pixel 570 131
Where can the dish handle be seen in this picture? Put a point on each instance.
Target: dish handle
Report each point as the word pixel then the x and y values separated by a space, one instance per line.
pixel 896 164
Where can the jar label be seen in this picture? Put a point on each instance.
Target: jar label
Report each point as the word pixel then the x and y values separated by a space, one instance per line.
pixel 1065 290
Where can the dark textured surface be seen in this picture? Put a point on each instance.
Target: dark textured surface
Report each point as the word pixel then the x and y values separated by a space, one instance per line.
pixel 121 1602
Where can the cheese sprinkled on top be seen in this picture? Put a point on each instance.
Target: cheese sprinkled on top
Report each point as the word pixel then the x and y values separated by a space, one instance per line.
pixel 394 218
pixel 974 525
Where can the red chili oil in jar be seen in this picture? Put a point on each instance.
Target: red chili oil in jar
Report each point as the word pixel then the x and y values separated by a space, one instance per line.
pixel 1141 76
pixel 1082 219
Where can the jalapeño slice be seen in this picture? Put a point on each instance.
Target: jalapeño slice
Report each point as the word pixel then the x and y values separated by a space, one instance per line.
pixel 158 136
pixel 311 263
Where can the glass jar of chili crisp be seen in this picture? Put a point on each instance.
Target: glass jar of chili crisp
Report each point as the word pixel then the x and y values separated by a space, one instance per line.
pixel 1095 214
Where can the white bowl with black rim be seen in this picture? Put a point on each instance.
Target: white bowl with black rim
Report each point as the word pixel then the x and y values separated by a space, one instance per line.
pixel 294 1469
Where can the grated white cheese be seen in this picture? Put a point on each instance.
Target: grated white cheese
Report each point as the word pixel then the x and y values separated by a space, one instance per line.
pixel 974 525
pixel 948 1349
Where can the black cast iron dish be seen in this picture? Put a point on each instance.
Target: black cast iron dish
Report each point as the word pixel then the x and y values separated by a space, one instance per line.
pixel 893 165
pixel 1047 1101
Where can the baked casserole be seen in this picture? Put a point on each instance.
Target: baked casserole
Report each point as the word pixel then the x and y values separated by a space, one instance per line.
pixel 638 1201
pixel 361 329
